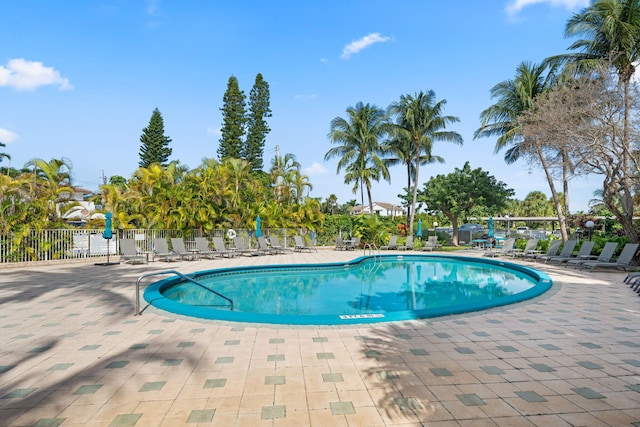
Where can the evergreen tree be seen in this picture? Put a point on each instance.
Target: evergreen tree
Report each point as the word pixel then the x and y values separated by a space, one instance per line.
pixel 234 121
pixel 155 145
pixel 257 128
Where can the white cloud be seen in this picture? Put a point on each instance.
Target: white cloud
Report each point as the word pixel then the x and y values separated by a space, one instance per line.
pixel 364 42
pixel 516 6
pixel 302 96
pixel 7 136
pixel 315 169
pixel 28 75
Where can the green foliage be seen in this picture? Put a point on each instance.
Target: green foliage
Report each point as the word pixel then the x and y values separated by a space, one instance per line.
pixel 465 192
pixel 155 145
pixel 234 121
pixel 257 126
pixel 370 229
pixel 419 124
pixel 359 148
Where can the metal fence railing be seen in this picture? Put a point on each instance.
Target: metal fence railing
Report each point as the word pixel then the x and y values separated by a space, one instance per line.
pixel 69 244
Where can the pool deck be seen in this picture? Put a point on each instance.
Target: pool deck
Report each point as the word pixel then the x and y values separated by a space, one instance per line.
pixel 73 354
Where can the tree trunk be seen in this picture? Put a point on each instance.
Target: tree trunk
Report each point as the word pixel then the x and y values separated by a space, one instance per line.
pixel 409 210
pixel 370 200
pixel 565 181
pixel 414 198
pixel 554 194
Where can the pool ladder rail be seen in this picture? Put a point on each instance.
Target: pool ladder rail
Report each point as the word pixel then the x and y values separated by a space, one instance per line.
pixel 372 250
pixel 183 277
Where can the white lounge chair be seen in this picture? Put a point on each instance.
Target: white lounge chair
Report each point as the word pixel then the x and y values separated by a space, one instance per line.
pixel 622 262
pixel 605 256
pixel 221 248
pixel 204 250
pixel 409 244
pixel 264 247
pixel 179 248
pixel 129 252
pixel 431 244
pixel 301 246
pixel 161 250
pixel 583 253
pixel 241 249
pixel 393 243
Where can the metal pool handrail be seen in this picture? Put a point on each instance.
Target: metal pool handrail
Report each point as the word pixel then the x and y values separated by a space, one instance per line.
pixel 183 277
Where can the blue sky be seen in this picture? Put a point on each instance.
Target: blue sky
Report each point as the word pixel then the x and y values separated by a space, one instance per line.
pixel 80 79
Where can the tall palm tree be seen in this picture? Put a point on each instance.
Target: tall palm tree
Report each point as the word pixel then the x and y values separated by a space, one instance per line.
pixel 610 33
pixel 515 97
pixel 8 157
pixel 360 151
pixel 419 123
pixel 401 151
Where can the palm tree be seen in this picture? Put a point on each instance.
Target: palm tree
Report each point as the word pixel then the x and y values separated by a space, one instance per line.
pixel 610 31
pixel 360 149
pixel 515 97
pixel 4 154
pixel 401 151
pixel 420 123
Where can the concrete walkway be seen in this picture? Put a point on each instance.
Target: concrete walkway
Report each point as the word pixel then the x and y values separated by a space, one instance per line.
pixel 73 354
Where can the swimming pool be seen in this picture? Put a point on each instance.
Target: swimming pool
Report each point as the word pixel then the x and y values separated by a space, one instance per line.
pixel 368 289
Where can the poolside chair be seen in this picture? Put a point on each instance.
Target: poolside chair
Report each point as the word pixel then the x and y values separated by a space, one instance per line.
pixel 506 249
pixel 242 249
pixel 300 245
pixel 264 247
pixel 393 243
pixel 352 244
pixel 162 252
pixel 275 244
pixel 529 248
pixel 567 250
pixel 202 245
pixel 340 246
pixel 177 244
pixel 622 262
pixel 552 250
pixel 605 256
pixel 583 253
pixel 409 244
pixel 431 244
pixel 129 252
pixel 221 248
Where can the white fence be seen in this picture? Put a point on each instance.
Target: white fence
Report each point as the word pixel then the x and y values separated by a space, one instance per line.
pixel 67 244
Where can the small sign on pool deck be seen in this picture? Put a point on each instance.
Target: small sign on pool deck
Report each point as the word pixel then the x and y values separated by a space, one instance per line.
pixel 361 316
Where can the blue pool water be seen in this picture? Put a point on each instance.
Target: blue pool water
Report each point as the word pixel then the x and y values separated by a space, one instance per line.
pixel 368 289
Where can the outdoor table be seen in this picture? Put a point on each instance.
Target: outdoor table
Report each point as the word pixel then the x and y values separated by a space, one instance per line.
pixel 480 243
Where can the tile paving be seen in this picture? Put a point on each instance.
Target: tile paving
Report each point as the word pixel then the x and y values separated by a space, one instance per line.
pixel 73 354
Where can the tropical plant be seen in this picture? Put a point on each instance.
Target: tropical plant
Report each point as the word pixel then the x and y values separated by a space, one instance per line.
pixel 359 151
pixel 419 123
pixel 610 33
pixel 463 192
pixel 515 97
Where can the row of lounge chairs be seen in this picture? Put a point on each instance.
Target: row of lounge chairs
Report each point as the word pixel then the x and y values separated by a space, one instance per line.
pixel 582 260
pixel 430 244
pixel 205 249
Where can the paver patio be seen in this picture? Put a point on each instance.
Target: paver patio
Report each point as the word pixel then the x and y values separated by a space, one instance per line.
pixel 73 354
